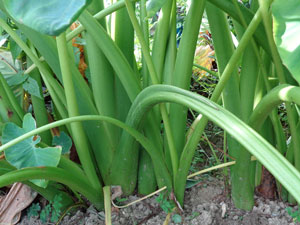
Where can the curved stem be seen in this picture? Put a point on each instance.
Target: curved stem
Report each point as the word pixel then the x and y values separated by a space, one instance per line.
pixel 282 93
pixel 55 174
pixel 247 137
pixel 155 80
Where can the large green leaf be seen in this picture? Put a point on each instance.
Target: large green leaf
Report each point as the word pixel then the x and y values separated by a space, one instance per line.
pixel 48 17
pixel 287 32
pixel 26 154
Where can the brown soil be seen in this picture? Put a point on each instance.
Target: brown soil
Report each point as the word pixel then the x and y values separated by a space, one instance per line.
pixel 205 204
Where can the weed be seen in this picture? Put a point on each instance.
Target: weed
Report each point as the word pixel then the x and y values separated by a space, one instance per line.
pixel 33 210
pixel 294 214
pixel 52 210
pixel 166 205
pixel 176 218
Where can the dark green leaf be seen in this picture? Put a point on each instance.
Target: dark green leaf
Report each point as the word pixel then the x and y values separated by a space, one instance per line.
pixel 32 87
pixel 47 17
pixel 64 141
pixel 3 15
pixel 16 79
pixel 26 154
pixel 153 6
pixel 286 33
pixel 33 210
pixel 15 49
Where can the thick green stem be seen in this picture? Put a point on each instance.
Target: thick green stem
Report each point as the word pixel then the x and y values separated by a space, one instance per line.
pixel 199 124
pixel 282 79
pixel 79 136
pixel 160 38
pixel 155 80
pixel 102 83
pixel 183 69
pixel 146 174
pixel 38 104
pixel 113 54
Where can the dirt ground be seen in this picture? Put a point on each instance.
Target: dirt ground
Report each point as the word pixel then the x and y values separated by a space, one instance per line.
pixel 205 204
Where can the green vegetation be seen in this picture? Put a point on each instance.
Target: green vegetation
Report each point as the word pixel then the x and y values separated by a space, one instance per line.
pixel 83 88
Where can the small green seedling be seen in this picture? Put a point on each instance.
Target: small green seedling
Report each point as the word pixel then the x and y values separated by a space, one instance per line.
pixel 176 218
pixel 294 214
pixel 52 210
pixel 166 205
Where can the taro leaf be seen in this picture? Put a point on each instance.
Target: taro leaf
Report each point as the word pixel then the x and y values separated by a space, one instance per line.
pixel 64 141
pixel 48 17
pixel 25 153
pixel 15 49
pixel 153 6
pixel 16 79
pixel 287 32
pixel 32 87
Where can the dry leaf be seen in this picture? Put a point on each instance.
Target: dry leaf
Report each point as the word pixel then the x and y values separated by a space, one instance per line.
pixel 18 198
pixel 203 57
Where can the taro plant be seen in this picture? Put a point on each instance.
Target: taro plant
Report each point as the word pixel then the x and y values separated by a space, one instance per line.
pixel 128 120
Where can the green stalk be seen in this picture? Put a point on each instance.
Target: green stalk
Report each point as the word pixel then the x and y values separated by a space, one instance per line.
pixel 113 54
pixel 79 136
pixel 107 205
pixel 238 100
pixel 160 39
pixel 183 70
pixel 281 76
pixel 171 53
pixel 11 98
pixel 124 39
pixel 146 174
pixel 102 83
pixel 145 28
pixel 206 70
pixel 282 93
pixel 140 36
pixel 199 124
pixel 154 79
pixel 38 104
pixel 169 64
pixel 150 131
